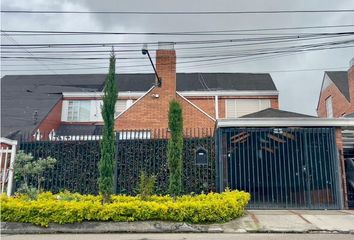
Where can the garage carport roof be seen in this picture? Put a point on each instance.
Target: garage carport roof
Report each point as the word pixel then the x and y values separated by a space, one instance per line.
pixel 286 122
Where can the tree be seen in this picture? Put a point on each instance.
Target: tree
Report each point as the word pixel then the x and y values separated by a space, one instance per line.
pixel 107 163
pixel 26 168
pixel 175 148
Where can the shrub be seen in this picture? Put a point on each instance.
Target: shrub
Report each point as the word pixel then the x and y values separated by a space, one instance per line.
pixel 146 185
pixel 27 167
pixel 69 208
pixel 30 192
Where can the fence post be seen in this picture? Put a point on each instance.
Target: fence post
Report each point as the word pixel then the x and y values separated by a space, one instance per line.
pixel 219 161
pixel 11 169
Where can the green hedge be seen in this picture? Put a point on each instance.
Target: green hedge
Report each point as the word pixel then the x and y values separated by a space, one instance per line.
pixel 70 208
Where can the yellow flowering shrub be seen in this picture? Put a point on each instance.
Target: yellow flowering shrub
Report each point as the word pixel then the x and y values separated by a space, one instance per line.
pixel 72 207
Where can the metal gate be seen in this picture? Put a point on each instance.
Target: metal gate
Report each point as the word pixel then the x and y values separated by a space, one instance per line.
pixel 7 161
pixel 348 144
pixel 281 167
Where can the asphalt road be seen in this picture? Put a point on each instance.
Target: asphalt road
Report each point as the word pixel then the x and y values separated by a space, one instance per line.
pixel 204 236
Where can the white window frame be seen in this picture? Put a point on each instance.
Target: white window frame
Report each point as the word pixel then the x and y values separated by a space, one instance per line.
pixel 128 103
pixel 70 115
pixel 329 107
pixel 260 106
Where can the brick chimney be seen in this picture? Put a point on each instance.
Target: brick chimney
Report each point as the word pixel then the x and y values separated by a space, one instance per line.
pixel 166 68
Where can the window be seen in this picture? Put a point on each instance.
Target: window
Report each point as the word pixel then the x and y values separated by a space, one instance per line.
pixel 239 107
pixel 121 105
pixel 329 107
pixel 79 111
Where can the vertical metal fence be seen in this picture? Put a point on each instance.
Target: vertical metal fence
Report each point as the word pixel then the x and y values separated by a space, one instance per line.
pixel 76 169
pixel 281 167
pixel 348 141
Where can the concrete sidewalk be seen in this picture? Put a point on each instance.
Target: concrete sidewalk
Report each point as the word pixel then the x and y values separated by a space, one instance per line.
pixel 295 221
pixel 255 221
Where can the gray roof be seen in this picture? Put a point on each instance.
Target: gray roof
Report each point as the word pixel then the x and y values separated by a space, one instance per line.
pixel 23 95
pixel 224 81
pixel 340 79
pixel 350 115
pixel 78 130
pixel 276 113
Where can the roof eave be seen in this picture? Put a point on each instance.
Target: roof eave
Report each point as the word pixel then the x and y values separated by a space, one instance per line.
pixel 229 93
pixel 100 94
pixel 286 122
pixel 183 93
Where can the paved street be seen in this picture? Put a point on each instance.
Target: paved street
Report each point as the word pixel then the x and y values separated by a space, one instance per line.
pixel 205 236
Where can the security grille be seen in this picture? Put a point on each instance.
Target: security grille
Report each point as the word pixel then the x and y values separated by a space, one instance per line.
pixel 281 167
pixel 348 144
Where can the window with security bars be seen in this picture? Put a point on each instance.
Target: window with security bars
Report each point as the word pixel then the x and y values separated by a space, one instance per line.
pixel 239 107
pixel 79 111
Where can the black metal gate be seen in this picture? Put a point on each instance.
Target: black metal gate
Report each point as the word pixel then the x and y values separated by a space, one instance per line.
pixel 348 142
pixel 281 167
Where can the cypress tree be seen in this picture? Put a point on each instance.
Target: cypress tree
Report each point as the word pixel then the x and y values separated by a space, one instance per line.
pixel 175 148
pixel 107 163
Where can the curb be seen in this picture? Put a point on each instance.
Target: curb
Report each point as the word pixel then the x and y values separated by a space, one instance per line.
pixel 143 227
pixel 312 231
pixel 108 227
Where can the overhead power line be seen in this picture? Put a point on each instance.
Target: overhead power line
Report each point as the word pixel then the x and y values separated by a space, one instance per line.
pixel 196 42
pixel 206 47
pixel 199 54
pixel 271 71
pixel 28 52
pixel 222 55
pixel 177 12
pixel 209 32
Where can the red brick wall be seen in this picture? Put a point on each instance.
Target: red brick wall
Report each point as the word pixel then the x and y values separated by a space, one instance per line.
pixel 52 120
pixel 193 117
pixel 151 111
pixel 147 113
pixel 351 88
pixel 340 104
pixel 274 103
pixel 207 104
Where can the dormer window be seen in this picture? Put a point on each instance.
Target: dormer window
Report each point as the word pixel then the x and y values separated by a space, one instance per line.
pixel 79 111
pixel 76 111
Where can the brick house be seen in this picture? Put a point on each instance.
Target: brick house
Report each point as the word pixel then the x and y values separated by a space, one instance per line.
pixel 337 93
pixel 70 104
pixel 284 159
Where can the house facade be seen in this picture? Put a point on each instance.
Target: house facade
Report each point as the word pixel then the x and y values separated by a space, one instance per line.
pixel 337 93
pixel 71 104
pixel 284 159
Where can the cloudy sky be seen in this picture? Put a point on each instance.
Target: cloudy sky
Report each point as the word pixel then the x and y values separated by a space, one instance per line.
pixel 297 74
